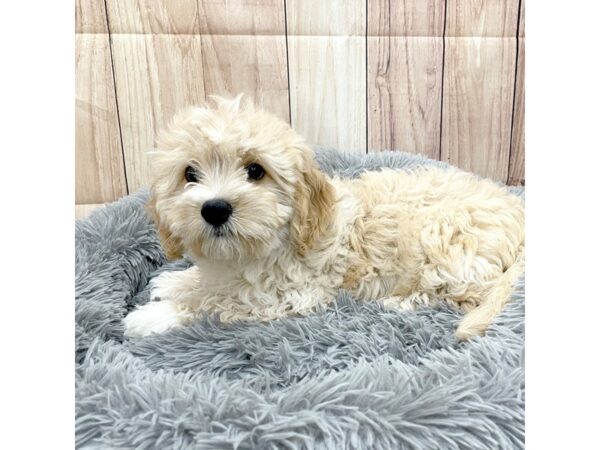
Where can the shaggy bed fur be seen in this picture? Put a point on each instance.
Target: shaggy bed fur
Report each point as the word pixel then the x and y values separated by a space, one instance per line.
pixel 352 376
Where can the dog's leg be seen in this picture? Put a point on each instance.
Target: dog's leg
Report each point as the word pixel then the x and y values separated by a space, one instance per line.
pixel 476 321
pixel 172 293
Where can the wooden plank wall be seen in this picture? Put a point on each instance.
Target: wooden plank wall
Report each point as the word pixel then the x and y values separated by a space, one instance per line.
pixel 444 78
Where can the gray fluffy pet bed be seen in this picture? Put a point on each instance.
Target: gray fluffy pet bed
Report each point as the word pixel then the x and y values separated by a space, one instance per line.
pixel 352 376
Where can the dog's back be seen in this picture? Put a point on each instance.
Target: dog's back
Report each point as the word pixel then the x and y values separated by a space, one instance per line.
pixel 441 233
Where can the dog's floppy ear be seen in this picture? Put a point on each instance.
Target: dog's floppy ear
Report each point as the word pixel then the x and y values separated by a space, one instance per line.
pixel 313 204
pixel 171 245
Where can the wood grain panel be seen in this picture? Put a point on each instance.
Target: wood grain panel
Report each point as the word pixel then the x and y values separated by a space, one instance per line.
pixel 326 18
pixel 90 16
pixel 98 157
pixel 169 54
pixel 153 16
pixel 516 169
pixel 482 17
pixel 405 94
pixel 253 65
pixel 327 70
pixel 327 90
pixel 156 75
pixel 406 17
pixel 477 104
pixel 242 17
pixel 82 211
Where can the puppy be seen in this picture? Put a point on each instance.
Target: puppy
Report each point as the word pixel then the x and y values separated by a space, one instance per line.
pixel 237 191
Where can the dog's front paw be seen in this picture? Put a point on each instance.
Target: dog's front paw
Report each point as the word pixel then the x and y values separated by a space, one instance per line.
pixel 166 286
pixel 154 317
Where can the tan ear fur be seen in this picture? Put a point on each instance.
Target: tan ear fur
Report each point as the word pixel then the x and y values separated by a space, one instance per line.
pixel 171 245
pixel 313 207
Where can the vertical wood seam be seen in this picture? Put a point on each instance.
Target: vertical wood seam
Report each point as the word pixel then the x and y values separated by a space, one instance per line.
pixel 287 61
pixel 442 81
pixel 512 119
pixel 112 69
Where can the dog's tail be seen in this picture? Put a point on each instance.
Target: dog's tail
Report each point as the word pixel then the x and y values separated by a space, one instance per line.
pixel 476 321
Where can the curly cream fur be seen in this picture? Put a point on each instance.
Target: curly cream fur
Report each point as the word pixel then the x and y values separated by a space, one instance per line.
pixel 297 236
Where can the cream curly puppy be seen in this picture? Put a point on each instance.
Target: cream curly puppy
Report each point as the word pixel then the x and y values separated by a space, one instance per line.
pixel 237 191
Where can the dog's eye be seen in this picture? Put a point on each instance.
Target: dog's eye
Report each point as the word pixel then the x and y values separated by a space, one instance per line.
pixel 191 174
pixel 255 171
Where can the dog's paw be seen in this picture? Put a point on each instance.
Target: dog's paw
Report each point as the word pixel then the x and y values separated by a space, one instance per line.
pixel 154 317
pixel 411 302
pixel 166 286
pixel 467 330
pixel 463 333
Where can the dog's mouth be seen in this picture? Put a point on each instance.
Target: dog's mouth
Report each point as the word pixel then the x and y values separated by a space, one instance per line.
pixel 221 231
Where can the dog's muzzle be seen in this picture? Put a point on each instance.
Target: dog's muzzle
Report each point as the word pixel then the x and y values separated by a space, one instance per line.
pixel 216 212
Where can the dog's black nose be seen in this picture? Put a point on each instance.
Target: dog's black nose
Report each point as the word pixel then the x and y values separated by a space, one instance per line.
pixel 216 212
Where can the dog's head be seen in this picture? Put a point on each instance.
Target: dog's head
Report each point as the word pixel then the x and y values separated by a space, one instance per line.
pixel 234 182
